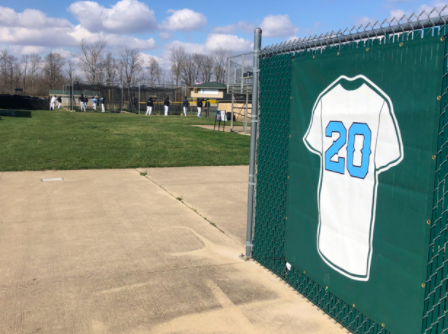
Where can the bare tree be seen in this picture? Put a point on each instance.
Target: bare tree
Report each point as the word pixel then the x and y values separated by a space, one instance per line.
pixel 71 71
pixel 190 68
pixel 91 57
pixel 206 68
pixel 110 67
pixel 35 63
pixel 25 65
pixel 220 68
pixel 9 71
pixel 154 71
pixel 177 58
pixel 53 70
pixel 131 63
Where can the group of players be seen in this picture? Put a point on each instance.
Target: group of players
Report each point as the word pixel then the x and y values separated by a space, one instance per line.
pixel 53 101
pixel 185 104
pixel 83 100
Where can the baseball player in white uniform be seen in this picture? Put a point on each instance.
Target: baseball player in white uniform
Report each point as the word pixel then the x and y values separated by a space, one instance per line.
pixel 52 102
pixel 356 134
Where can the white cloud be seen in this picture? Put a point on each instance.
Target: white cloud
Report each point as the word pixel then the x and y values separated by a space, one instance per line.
pixel 19 49
pixel 397 14
pixel 440 9
pixel 164 62
pixel 189 47
pixel 365 21
pixel 214 41
pixel 243 26
pixel 49 37
pixel 125 17
pixel 29 18
pixel 232 42
pixel 165 35
pixel 113 40
pixel 278 26
pixel 184 20
pixel 439 6
pixel 292 38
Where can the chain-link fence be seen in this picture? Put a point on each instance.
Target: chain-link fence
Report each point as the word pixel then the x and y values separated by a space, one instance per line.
pixel 121 98
pixel 273 158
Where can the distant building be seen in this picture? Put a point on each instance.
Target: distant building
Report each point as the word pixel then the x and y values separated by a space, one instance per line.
pixel 209 90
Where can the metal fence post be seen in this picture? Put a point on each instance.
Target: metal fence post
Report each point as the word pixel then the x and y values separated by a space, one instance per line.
pixel 253 145
pixel 139 98
pixel 231 114
pixel 245 113
pixel 73 96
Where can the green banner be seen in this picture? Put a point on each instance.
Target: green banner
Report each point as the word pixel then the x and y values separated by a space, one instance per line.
pixel 363 127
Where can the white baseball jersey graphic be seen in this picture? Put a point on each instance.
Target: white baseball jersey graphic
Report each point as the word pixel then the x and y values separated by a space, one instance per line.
pixel 356 134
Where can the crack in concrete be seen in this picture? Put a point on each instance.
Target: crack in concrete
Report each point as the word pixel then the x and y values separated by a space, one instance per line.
pixel 191 208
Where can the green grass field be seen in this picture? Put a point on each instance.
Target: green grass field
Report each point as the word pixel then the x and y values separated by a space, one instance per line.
pixel 64 140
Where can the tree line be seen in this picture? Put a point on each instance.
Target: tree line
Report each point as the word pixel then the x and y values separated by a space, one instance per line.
pixel 93 63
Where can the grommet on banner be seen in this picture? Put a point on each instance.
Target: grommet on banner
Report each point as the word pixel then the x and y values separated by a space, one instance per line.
pixel 423 285
pixel 367 49
pixel 354 305
pixel 401 44
pixel 442 39
pixel 428 222
pixel 439 98
pixel 338 53
pixel 383 325
pixel 433 157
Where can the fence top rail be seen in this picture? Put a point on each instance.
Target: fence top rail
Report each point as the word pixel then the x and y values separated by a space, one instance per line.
pixel 405 24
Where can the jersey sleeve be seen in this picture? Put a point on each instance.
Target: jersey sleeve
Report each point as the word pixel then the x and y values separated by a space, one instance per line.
pixel 389 146
pixel 313 137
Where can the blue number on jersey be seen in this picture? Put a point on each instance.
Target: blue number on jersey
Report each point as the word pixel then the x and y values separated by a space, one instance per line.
pixel 360 129
pixel 337 127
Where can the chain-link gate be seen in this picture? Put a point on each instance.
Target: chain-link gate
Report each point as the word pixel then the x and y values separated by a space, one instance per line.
pixel 273 159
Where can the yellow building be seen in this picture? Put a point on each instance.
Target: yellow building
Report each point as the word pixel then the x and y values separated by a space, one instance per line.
pixel 209 90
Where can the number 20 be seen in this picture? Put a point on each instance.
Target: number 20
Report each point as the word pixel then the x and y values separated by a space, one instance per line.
pixel 360 129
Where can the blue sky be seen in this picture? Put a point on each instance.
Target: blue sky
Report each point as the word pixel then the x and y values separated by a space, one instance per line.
pixel 153 26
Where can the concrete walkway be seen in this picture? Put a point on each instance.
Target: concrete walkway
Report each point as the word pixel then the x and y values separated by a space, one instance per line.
pixel 114 251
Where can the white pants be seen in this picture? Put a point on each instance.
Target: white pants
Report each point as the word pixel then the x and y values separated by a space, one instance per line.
pixel 166 110
pixel 148 111
pixel 94 106
pixel 102 107
pixel 51 105
pixel 199 111
pixel 185 111
pixel 59 105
